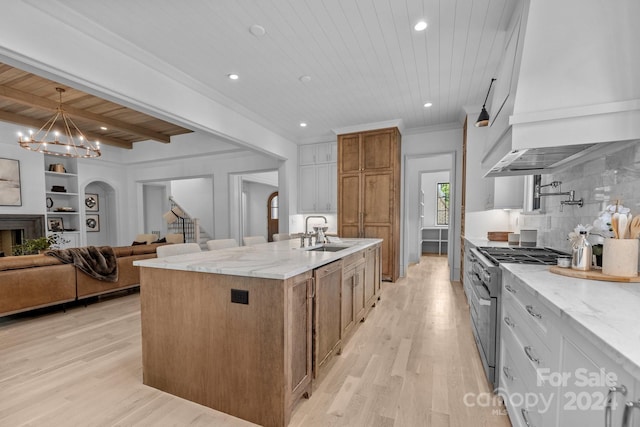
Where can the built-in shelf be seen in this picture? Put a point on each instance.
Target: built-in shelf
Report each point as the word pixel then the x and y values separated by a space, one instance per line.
pixel 434 240
pixel 64 223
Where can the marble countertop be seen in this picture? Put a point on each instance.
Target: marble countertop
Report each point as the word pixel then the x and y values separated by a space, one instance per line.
pixel 276 260
pixel 604 312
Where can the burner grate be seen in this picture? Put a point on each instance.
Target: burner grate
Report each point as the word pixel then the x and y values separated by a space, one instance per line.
pixel 520 255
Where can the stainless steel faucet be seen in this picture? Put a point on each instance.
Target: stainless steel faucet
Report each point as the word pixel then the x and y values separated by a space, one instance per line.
pixel 306 222
pixel 306 229
pixel 556 184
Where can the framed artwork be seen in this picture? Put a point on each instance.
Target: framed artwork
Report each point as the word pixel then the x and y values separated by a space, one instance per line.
pixel 91 202
pixel 10 183
pixel 93 222
pixel 55 224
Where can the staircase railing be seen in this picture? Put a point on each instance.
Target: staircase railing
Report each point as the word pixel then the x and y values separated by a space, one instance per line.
pixel 185 224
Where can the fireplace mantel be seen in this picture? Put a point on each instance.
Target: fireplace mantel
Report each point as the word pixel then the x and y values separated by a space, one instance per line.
pixel 33 225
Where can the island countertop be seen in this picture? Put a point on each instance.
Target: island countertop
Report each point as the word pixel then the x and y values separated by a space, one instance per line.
pixel 276 260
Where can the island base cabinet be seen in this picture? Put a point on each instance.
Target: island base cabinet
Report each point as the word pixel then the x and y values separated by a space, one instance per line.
pixel 353 292
pixel 240 345
pixel 326 332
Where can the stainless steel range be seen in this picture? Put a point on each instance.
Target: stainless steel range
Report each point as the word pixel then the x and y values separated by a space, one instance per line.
pixel 483 282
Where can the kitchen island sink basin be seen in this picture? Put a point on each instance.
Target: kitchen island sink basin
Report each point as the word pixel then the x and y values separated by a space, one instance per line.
pixel 328 248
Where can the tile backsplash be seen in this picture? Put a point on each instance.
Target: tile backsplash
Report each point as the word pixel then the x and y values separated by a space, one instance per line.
pixel 599 182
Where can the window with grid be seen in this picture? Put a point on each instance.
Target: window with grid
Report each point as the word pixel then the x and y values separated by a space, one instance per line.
pixel 442 203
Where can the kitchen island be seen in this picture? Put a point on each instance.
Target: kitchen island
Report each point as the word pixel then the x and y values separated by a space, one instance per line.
pixel 245 330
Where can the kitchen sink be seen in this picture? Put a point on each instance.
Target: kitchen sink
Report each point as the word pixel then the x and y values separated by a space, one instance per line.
pixel 328 248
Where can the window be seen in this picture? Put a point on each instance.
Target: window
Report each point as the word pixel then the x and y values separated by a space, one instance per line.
pixel 442 203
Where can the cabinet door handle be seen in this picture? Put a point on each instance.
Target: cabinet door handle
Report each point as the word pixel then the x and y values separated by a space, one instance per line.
pixel 525 417
pixel 628 407
pixel 507 373
pixel 313 288
pixel 509 322
pixel 607 409
pixel 528 350
pixel 533 313
pixel 510 289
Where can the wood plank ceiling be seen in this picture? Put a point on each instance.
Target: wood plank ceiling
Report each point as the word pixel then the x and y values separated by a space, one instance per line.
pixel 30 100
pixel 364 60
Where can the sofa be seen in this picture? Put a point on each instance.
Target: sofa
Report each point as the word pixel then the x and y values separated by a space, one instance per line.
pixel 33 281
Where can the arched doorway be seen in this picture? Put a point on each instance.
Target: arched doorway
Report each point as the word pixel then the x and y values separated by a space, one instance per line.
pixel 99 214
pixel 272 215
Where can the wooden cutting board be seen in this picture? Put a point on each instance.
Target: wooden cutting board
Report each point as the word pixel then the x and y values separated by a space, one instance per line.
pixel 591 275
pixel 498 236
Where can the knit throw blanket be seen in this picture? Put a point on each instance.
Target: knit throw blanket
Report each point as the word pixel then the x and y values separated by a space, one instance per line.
pixel 97 262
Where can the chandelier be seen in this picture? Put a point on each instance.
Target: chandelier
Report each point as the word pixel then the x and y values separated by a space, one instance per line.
pixel 70 142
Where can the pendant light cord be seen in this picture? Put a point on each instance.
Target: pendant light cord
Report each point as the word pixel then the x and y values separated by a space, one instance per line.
pixel 488 92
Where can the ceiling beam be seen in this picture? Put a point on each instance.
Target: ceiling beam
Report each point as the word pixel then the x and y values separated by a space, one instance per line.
pixel 30 100
pixel 28 121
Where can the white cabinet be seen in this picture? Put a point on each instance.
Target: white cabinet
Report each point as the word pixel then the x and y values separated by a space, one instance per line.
pixel 550 373
pixel 62 200
pixel 317 153
pixel 505 192
pixel 590 375
pixel 317 185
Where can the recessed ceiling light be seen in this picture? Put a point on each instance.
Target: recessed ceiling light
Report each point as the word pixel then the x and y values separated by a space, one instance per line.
pixel 233 76
pixel 428 104
pixel 303 125
pixel 257 30
pixel 420 26
pixel 305 79
pixel 103 128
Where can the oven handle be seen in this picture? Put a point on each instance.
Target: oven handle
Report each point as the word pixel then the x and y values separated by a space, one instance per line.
pixel 481 291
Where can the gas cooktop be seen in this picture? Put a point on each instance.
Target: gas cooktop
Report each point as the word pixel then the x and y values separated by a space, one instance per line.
pixel 520 255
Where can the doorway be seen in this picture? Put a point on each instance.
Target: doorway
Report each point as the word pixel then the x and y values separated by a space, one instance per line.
pixel 272 216
pixel 99 216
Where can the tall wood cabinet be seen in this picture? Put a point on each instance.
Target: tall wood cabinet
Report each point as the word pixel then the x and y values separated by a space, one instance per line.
pixel 369 191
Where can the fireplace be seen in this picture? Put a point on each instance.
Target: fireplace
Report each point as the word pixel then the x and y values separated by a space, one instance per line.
pixel 15 228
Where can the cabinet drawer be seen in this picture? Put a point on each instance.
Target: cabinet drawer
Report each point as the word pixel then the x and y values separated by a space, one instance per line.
pixel 537 315
pixel 353 260
pixel 530 351
pixel 526 407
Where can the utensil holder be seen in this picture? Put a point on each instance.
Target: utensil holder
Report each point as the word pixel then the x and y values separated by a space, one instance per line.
pixel 620 257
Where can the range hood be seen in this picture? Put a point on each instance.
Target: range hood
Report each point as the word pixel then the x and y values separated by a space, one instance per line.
pixel 570 86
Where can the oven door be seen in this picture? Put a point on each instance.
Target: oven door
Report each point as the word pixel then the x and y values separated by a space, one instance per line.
pixel 482 308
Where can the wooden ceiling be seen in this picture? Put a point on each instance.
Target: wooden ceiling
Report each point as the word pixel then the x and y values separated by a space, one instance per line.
pixel 30 100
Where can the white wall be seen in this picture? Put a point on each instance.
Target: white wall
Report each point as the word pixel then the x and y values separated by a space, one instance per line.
pixel 156 203
pixel 429 182
pixel 31 173
pixel 255 208
pixel 195 195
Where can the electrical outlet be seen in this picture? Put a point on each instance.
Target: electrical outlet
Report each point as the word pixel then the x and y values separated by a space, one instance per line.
pixel 239 296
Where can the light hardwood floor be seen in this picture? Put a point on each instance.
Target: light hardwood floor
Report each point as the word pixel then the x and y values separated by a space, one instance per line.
pixel 411 363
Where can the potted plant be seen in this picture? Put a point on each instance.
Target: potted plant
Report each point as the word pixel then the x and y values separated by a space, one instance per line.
pixel 39 244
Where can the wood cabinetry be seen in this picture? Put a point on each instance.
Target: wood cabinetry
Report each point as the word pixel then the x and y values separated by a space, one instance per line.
pixel 250 356
pixel 62 200
pixel 369 192
pixel 317 173
pixel 327 332
pixel 352 291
